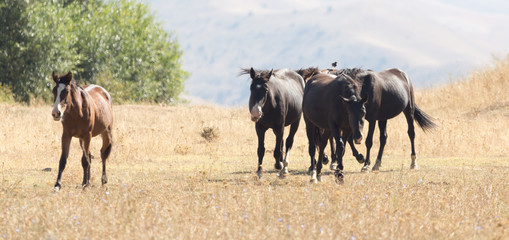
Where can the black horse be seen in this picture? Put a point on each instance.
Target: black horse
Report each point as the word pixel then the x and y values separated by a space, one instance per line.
pixel 332 106
pixel 275 102
pixel 390 92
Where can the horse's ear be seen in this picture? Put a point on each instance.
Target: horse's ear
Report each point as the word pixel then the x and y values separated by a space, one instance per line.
pixel 270 74
pixel 252 73
pixel 55 77
pixel 67 78
pixel 365 98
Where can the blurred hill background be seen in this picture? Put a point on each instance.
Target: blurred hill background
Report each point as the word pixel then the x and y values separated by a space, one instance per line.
pixel 434 41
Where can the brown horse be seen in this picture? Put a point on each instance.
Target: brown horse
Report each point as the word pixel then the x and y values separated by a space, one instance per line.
pixel 84 113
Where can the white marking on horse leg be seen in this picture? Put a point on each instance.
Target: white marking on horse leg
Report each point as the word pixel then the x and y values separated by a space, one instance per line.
pixel 313 176
pixel 284 170
pixel 286 161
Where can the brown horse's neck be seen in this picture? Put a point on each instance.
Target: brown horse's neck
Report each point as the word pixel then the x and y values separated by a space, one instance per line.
pixel 78 104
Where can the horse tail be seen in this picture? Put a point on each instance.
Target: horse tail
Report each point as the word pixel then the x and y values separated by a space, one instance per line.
pixel 424 120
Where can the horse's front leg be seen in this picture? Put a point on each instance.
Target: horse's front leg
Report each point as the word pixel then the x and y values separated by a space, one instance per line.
pixel 278 149
pixel 340 151
pixel 369 144
pixel 260 133
pixel 322 144
pixel 85 159
pixel 334 161
pixel 66 142
pixel 356 154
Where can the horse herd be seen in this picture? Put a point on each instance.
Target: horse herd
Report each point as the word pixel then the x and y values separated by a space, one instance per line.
pixel 334 104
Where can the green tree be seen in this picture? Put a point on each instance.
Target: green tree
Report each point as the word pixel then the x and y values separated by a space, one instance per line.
pixel 13 43
pixel 117 44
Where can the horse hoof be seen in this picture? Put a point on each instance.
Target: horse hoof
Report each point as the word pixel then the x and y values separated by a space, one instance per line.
pixel 414 167
pixel 278 165
pixel 360 158
pixel 56 189
pixel 339 178
pixel 365 169
pixel 259 175
pixel 313 180
pixel 325 160
pixel 319 178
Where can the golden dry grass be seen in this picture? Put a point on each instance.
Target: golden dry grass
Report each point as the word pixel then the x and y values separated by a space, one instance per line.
pixel 168 182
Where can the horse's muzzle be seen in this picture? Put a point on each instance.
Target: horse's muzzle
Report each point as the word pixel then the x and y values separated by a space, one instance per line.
pixel 256 113
pixel 57 115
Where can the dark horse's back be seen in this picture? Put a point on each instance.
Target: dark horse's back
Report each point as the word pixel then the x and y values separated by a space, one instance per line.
pixel 289 85
pixel 292 90
pixel 317 91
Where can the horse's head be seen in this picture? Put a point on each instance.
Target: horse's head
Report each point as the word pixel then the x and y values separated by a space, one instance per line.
pixel 259 92
pixel 355 106
pixel 61 96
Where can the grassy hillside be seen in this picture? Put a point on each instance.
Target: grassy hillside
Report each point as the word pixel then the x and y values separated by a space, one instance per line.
pixel 167 181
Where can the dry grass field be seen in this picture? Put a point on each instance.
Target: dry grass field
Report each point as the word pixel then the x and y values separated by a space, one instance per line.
pixel 167 181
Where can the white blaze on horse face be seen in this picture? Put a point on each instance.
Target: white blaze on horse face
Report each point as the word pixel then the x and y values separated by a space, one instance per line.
pixel 57 112
pixel 256 112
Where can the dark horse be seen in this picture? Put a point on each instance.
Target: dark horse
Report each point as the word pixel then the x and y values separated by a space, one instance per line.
pixel 84 113
pixel 306 74
pixel 332 106
pixel 275 102
pixel 390 92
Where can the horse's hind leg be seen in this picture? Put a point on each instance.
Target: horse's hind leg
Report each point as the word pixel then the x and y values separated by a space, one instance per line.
pixel 289 144
pixel 85 160
pixel 382 126
pixel 105 152
pixel 310 133
pixel 411 134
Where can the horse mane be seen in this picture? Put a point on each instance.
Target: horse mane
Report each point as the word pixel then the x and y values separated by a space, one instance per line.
pixel 262 73
pixel 307 73
pixel 351 72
